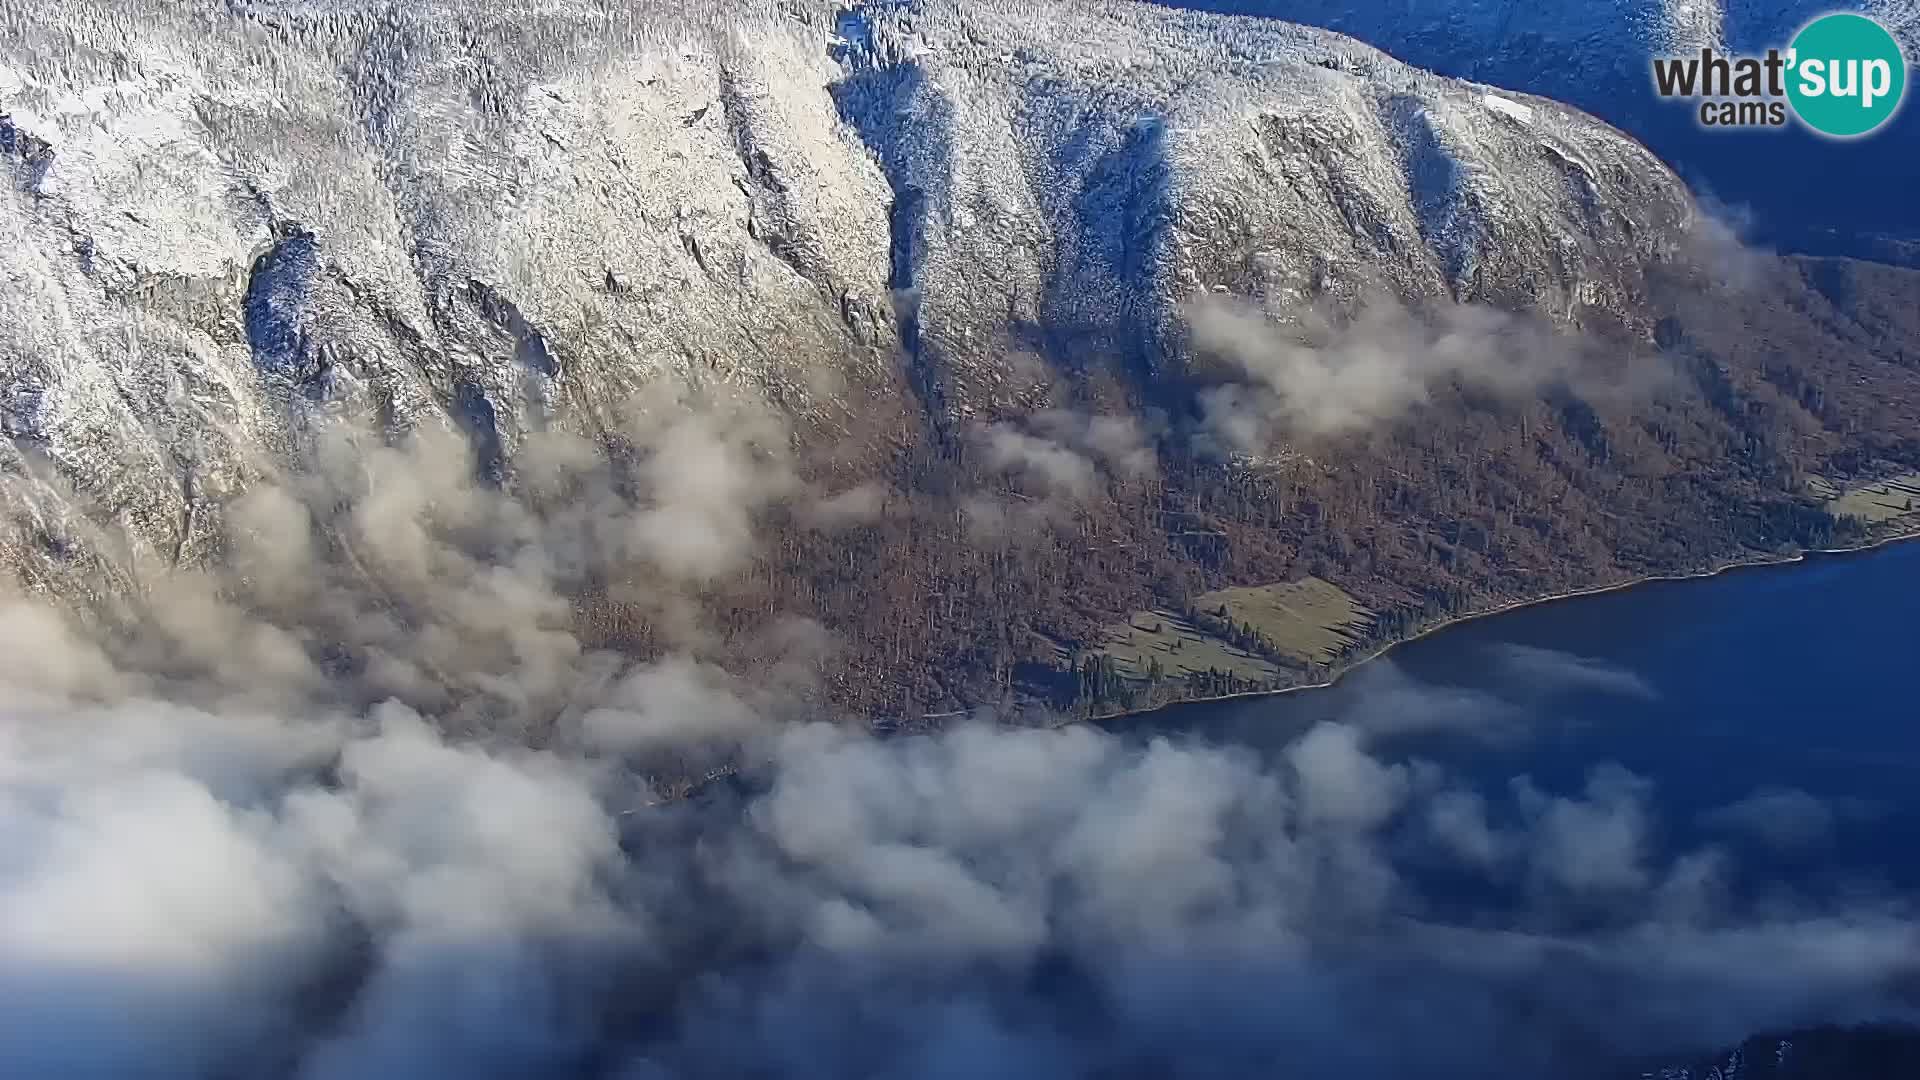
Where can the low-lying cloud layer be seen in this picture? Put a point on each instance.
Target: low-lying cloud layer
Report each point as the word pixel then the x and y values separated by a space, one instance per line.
pixel 369 803
pixel 1316 377
pixel 1054 461
pixel 191 892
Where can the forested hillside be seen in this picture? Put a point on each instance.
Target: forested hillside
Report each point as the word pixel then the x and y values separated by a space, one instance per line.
pixel 476 475
pixel 1807 368
pixel 956 331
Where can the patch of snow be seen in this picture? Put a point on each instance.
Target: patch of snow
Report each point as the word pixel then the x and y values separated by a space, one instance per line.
pixel 1560 153
pixel 35 125
pixel 1509 108
pixel 1034 163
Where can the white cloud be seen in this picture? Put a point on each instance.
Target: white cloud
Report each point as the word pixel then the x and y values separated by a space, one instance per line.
pixel 369 806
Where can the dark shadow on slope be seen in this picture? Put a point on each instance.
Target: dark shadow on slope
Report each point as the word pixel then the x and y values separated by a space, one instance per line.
pixel 539 364
pixel 1104 300
pixel 872 101
pixel 279 289
pixel 1445 209
pixel 476 416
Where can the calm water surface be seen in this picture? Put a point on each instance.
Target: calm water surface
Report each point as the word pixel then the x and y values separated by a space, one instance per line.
pixel 1789 693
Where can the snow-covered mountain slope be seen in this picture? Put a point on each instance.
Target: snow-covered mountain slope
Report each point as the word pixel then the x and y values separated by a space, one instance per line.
pixel 1078 170
pixel 226 222
pixel 1574 49
pixel 1597 54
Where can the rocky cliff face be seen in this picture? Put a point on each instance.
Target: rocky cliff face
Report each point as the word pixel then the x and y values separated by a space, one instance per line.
pixel 1596 55
pixel 1077 172
pixel 224 226
pixel 422 679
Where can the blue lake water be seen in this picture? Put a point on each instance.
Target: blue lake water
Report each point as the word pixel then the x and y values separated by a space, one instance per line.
pixel 1772 710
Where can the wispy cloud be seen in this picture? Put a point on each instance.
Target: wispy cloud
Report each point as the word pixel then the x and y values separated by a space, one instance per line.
pixel 366 801
pixel 1312 376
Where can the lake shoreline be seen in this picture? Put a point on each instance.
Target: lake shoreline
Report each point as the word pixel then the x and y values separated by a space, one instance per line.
pixel 1757 562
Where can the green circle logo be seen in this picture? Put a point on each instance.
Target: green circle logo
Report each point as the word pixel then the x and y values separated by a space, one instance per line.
pixel 1846 75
